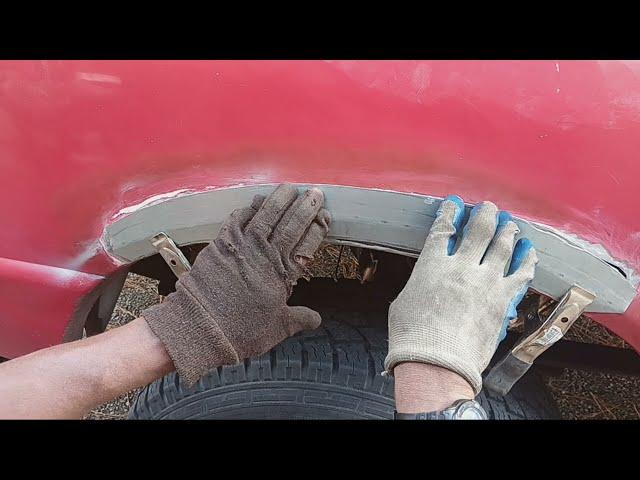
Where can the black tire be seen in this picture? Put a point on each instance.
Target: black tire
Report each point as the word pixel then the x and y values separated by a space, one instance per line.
pixel 333 372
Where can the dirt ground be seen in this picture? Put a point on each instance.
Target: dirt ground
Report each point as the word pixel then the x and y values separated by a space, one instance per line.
pixel 579 394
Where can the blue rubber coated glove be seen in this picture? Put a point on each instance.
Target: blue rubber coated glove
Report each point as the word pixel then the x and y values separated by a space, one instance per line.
pixel 520 252
pixel 463 291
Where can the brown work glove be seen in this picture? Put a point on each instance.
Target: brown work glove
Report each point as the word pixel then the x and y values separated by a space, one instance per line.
pixel 233 303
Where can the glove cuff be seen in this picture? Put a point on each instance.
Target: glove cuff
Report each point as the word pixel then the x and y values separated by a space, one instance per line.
pixel 465 369
pixel 192 338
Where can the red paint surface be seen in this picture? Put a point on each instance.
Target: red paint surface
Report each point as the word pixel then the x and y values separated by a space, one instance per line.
pixel 557 142
pixel 37 302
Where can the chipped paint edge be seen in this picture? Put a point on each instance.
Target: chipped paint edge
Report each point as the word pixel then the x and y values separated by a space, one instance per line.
pixel 594 249
pixel 152 200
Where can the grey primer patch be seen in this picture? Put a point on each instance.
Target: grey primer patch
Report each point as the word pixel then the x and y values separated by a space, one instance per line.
pixel 376 219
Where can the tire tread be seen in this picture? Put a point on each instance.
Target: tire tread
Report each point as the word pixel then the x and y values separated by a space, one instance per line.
pixel 349 359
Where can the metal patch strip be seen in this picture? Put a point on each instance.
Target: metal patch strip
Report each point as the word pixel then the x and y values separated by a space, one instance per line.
pixel 376 219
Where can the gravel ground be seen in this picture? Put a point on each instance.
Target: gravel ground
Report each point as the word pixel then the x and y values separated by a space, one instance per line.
pixel 579 394
pixel 137 294
pixel 593 395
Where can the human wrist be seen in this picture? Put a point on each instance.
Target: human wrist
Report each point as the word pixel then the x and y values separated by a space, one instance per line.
pixel 190 335
pixel 141 358
pixel 422 387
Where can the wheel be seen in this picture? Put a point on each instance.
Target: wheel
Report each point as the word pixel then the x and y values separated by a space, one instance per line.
pixel 333 372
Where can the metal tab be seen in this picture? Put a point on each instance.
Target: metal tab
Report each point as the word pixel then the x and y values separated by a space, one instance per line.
pixel 538 337
pixel 174 257
pixel 568 310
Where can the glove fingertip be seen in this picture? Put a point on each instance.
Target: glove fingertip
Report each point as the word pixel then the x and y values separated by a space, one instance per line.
pixel 305 318
pixel 459 213
pixel 257 202
pixel 504 217
pixel 521 252
pixel 455 198
pixel 448 221
pixel 324 218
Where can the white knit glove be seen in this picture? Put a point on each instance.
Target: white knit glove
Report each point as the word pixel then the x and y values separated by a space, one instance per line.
pixel 451 310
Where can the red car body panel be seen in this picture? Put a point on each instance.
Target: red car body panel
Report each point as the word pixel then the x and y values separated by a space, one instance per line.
pixel 37 303
pixel 554 142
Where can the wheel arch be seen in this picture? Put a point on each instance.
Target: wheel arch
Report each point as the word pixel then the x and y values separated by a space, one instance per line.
pixel 378 219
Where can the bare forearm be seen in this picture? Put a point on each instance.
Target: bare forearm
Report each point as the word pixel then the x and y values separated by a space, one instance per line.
pixel 67 381
pixel 420 387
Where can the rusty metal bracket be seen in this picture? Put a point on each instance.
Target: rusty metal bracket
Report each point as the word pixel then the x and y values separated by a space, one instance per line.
pixel 368 267
pixel 171 254
pixel 534 342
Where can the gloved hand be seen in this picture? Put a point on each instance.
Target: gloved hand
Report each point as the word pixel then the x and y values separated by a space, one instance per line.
pixel 455 304
pixel 233 303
